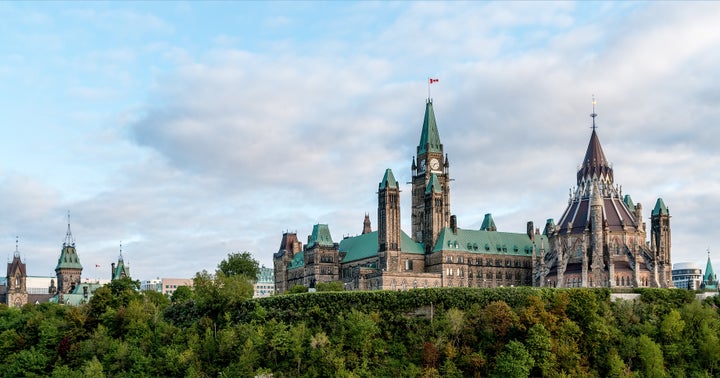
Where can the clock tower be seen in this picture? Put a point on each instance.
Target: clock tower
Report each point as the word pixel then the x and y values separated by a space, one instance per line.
pixel 431 162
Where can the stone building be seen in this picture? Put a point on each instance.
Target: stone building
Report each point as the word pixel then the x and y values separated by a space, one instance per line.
pixel 599 242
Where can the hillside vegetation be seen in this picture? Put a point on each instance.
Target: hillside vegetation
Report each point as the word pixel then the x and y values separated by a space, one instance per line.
pixel 449 332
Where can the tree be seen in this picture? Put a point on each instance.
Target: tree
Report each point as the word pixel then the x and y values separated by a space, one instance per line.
pixel 240 264
pixel 513 362
pixel 181 295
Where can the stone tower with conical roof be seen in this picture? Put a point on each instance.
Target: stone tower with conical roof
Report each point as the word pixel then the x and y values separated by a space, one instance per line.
pixel 430 164
pixel 17 295
pixel 600 240
pixel 660 242
pixel 68 269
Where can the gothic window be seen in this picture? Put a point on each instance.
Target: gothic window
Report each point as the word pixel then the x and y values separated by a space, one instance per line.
pixel 479 261
pixel 617 281
pixel 622 280
pixel 461 259
pixel 408 265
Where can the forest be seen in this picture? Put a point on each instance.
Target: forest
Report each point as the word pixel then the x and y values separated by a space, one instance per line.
pixel 216 330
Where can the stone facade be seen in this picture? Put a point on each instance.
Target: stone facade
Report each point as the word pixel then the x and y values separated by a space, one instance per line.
pixel 599 242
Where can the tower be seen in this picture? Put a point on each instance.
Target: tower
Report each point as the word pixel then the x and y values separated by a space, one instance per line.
pixel 660 241
pixel 434 213
pixel 430 162
pixel 68 269
pixel 389 233
pixel 17 295
pixel 366 225
pixel 120 270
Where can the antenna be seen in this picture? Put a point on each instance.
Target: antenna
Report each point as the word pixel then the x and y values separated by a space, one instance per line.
pixel 593 115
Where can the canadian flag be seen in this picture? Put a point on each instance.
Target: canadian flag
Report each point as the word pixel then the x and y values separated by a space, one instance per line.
pixel 97 265
pixel 434 81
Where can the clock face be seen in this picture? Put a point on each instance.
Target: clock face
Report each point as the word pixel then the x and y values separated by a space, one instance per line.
pixel 434 164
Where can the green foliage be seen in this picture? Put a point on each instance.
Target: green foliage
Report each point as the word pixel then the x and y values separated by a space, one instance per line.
pixel 181 295
pixel 298 289
pixel 329 286
pixel 448 332
pixel 240 264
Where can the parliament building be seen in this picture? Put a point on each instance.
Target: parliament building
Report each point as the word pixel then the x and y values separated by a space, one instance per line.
pixel 599 241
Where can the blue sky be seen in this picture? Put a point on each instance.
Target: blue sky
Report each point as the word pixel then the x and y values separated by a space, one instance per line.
pixel 189 130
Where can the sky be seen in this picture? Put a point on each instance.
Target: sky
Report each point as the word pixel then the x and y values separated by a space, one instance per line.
pixel 180 132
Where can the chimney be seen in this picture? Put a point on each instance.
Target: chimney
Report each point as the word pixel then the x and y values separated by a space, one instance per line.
pixel 453 223
pixel 530 229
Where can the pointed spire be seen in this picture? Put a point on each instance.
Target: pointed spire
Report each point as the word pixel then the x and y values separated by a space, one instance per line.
pixel 69 240
pixel 593 115
pixel 709 275
pixel 430 138
pixel 17 250
pixel 366 225
pixel 488 223
pixel 388 180
pixel 660 208
pixel 595 164
pixel 120 258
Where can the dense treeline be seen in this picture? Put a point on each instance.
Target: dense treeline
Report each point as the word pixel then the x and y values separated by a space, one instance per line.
pixel 451 332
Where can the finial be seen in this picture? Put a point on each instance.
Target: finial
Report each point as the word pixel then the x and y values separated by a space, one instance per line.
pixel 120 258
pixel 17 242
pixel 593 115
pixel 69 240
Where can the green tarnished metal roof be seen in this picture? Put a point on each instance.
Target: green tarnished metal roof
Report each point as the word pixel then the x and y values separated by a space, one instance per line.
pixel 487 242
pixel 629 202
pixel 320 236
pixel 488 223
pixel 709 275
pixel 388 180
pixel 121 270
pixel 68 258
pixel 430 138
pixel 433 184
pixel 660 208
pixel 364 246
pixel 297 261
pixel 77 297
pixel 549 224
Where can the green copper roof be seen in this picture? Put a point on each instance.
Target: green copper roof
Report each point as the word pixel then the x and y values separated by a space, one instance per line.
pixel 297 261
pixel 364 246
pixel 629 202
pixel 68 258
pixel 660 208
pixel 488 242
pixel 430 138
pixel 77 297
pixel 433 185
pixel 121 270
pixel 388 180
pixel 488 223
pixel 709 275
pixel 320 236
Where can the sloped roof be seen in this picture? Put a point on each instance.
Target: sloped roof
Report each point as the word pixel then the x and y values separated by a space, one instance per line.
pixel 487 242
pixel 68 258
pixel 364 246
pixel 388 180
pixel 488 223
pixel 595 163
pixel 660 208
pixel 320 236
pixel 430 138
pixel 629 202
pixel 709 275
pixel 433 184
pixel 298 260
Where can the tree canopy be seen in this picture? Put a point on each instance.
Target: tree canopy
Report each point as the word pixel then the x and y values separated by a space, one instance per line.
pixel 240 264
